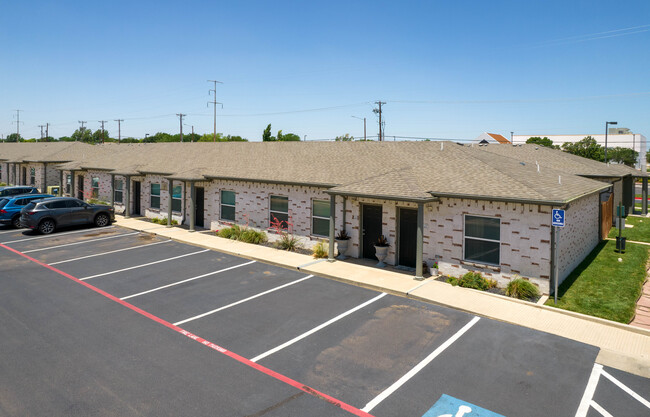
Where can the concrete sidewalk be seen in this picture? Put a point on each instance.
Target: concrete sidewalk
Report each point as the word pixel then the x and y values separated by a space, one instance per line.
pixel 622 346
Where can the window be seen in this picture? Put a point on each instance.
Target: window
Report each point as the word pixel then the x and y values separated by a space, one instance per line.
pixel 279 210
pixel 482 239
pixel 119 190
pixel 56 204
pixel 68 184
pixel 228 205
pixel 320 217
pixel 155 196
pixel 94 187
pixel 177 198
pixel 73 203
pixel 32 176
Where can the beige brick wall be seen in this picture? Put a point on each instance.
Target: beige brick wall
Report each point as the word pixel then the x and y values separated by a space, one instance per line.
pixel 580 235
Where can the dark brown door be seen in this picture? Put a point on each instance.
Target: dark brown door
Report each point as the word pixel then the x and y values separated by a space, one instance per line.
pixel 80 187
pixel 371 223
pixel 198 201
pixel 408 223
pixel 136 198
pixel 24 181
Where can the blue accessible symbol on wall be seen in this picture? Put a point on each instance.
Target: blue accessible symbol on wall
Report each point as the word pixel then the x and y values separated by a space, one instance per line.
pixel 448 406
pixel 557 218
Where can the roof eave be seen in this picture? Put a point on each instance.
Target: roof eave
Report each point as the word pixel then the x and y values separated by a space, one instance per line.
pixel 384 197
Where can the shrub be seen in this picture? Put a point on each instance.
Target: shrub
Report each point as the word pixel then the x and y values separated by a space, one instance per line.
pixel 288 242
pixel 522 289
pixel 472 280
pixel 163 221
pixel 233 232
pixel 320 250
pixel 96 201
pixel 252 236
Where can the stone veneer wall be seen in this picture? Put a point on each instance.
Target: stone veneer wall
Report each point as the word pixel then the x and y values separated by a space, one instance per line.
pixel 4 172
pixel 580 235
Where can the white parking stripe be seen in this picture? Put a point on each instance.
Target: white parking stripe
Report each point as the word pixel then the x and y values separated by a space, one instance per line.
pixel 626 389
pixel 178 323
pixel 108 253
pixel 187 280
pixel 55 235
pixel 13 231
pixel 81 243
pixel 143 265
pixel 315 329
pixel 589 390
pixel 600 409
pixel 417 368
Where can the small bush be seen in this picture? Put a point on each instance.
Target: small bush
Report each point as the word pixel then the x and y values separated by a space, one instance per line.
pixel 252 236
pixel 233 232
pixel 522 289
pixel 96 201
pixel 472 280
pixel 163 221
pixel 320 250
pixel 288 242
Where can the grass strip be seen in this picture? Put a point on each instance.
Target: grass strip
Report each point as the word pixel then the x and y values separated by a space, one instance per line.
pixel 601 286
pixel 639 233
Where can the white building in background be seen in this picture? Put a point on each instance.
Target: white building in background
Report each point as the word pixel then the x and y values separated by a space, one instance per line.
pixel 487 138
pixel 616 137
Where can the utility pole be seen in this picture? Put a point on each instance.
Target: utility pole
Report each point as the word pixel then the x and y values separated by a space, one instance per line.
pixel 83 122
pixel 103 133
pixel 381 125
pixel 214 103
pixel 47 131
pixel 181 115
pixel 18 123
pixel 41 126
pixel 119 130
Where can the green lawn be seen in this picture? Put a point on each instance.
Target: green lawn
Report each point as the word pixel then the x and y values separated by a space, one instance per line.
pixel 601 286
pixel 640 232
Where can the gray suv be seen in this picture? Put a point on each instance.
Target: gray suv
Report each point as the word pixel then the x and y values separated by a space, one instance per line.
pixel 50 213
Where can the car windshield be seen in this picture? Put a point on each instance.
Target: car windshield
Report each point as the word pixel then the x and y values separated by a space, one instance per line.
pixel 3 202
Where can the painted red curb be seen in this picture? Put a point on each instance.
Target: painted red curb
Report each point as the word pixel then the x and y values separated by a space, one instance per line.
pixel 352 410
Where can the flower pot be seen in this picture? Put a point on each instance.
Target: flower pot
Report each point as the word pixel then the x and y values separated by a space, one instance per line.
pixel 434 272
pixel 381 252
pixel 342 245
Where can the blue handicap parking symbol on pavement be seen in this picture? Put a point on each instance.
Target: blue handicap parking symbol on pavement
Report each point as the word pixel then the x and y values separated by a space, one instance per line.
pixel 448 406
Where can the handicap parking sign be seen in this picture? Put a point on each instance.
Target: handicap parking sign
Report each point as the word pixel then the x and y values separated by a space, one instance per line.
pixel 448 406
pixel 557 218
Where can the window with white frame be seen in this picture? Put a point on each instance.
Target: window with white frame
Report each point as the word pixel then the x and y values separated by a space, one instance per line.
pixel 279 210
pixel 155 195
pixel 94 187
pixel 482 239
pixel 228 205
pixel 32 176
pixel 177 198
pixel 320 217
pixel 68 183
pixel 119 191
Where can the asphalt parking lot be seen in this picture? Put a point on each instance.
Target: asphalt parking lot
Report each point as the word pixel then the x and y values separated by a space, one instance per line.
pixel 114 322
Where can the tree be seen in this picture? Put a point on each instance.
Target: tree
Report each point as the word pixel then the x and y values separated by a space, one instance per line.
pixel 66 139
pixel 620 155
pixel 82 135
pixel 100 136
pixel 14 137
pixel 542 142
pixel 289 137
pixel 344 138
pixel 266 135
pixel 587 148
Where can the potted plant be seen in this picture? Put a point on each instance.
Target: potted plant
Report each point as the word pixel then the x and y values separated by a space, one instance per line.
pixel 434 269
pixel 381 250
pixel 342 240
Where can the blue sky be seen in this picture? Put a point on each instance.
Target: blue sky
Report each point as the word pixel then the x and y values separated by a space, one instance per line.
pixel 446 69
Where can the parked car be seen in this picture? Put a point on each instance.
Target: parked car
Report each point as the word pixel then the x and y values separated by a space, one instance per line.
pixel 48 214
pixel 17 189
pixel 10 207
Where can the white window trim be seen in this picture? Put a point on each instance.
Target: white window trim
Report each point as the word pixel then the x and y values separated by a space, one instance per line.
pixel 118 190
pixel 318 217
pixel 152 195
pixel 221 204
pixel 180 199
pixel 480 238
pixel 275 211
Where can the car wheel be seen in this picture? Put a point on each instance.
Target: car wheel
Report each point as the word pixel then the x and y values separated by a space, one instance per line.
pixel 101 220
pixel 46 227
pixel 15 222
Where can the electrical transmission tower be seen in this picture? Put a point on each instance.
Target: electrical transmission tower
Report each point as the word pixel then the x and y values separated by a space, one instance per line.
pixel 17 124
pixel 103 132
pixel 41 126
pixel 119 130
pixel 381 123
pixel 214 103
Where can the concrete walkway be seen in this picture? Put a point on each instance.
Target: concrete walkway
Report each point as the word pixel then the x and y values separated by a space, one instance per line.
pixel 622 346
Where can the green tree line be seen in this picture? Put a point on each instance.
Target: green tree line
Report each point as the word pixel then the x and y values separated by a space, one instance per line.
pixel 589 148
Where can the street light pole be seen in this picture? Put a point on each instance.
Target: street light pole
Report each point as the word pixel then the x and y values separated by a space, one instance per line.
pixel 606 125
pixel 364 126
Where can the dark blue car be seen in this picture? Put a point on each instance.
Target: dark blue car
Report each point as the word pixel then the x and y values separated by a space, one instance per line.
pixel 10 207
